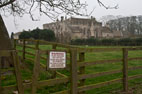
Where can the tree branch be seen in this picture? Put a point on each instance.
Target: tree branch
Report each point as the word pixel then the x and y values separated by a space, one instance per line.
pixel 51 8
pixel 107 7
pixel 7 3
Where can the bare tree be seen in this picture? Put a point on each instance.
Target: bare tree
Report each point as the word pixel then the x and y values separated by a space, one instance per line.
pixel 51 8
pixel 107 7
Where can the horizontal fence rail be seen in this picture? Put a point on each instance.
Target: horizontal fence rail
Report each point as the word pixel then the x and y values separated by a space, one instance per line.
pixel 76 67
pixel 99 62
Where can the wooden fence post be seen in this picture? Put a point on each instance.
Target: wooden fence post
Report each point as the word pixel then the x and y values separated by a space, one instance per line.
pixel 73 70
pixel 125 70
pixel 17 72
pixel 54 46
pixel 53 72
pixel 24 48
pixel 15 44
pixel 35 72
pixel 82 70
pixel 1 92
pixel 37 45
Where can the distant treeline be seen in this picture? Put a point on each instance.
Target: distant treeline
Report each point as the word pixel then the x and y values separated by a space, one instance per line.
pixel 109 42
pixel 38 34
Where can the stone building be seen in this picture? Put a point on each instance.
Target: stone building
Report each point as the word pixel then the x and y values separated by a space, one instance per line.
pixel 106 33
pixel 78 28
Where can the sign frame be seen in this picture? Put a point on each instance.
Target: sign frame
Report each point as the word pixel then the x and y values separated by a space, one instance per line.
pixel 48 59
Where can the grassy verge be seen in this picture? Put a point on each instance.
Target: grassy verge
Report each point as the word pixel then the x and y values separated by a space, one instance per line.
pixel 9 80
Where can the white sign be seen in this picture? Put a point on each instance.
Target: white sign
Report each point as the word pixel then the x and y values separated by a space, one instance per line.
pixel 57 59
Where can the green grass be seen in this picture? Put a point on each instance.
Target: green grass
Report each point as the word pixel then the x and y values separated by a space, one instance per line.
pixel 9 80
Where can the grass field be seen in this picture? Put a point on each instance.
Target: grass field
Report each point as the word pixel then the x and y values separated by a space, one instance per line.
pixel 9 80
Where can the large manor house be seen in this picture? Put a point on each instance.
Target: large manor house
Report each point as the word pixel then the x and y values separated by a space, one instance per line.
pixel 80 28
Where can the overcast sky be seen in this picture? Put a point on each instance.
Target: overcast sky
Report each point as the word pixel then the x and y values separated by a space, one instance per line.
pixel 126 8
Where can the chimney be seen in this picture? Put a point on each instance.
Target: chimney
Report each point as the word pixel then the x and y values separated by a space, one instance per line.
pixel 57 20
pixel 65 17
pixel 62 18
pixel 93 18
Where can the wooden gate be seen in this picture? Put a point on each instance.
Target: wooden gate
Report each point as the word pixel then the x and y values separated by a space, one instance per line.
pixel 76 67
pixel 15 58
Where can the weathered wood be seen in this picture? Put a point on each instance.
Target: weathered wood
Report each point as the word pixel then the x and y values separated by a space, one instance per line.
pixel 36 72
pixel 63 92
pixel 54 46
pixel 52 82
pixel 30 47
pixel 83 49
pixel 135 68
pixel 74 77
pixel 60 74
pixel 80 64
pixel 65 80
pixel 58 44
pixel 24 49
pixel 1 91
pixel 30 40
pixel 73 71
pixel 135 76
pixel 0 65
pixel 6 70
pixel 57 73
pixel 136 48
pixel 54 71
pixel 93 75
pixel 37 45
pixel 125 70
pixel 9 89
pixel 44 66
pixel 82 70
pixel 29 53
pixel 5 53
pixel 98 49
pixel 17 72
pixel 135 58
pixel 15 43
pixel 44 58
pixel 92 86
pixel 5 42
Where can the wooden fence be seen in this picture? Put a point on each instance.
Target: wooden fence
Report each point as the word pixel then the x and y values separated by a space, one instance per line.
pixel 13 53
pixel 76 67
